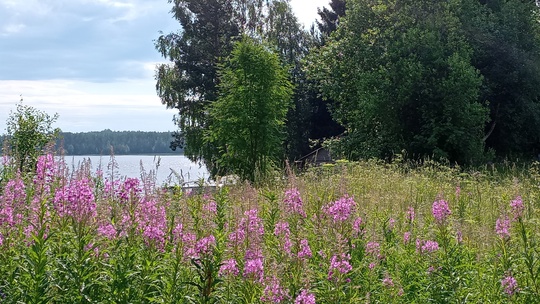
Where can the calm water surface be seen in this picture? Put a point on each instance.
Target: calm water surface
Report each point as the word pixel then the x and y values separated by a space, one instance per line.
pixel 163 165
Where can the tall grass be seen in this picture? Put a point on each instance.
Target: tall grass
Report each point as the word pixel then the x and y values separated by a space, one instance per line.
pixel 364 232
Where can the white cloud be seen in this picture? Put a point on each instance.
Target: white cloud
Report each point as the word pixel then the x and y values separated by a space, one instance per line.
pixel 91 61
pixel 84 106
pixel 11 29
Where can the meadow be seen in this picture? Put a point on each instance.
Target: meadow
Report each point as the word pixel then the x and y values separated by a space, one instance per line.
pixel 363 232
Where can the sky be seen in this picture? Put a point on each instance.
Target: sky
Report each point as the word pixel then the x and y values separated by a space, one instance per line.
pixel 91 61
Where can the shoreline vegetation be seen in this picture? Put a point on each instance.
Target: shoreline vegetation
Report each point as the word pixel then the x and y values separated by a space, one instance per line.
pixel 122 142
pixel 350 232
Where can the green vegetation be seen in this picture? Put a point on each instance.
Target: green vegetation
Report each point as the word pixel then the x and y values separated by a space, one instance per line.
pixel 249 116
pixel 190 82
pixel 347 233
pixel 451 80
pixel 29 131
pixel 401 78
pixel 122 142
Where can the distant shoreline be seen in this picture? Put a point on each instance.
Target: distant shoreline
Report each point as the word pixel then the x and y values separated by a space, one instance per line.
pixel 131 154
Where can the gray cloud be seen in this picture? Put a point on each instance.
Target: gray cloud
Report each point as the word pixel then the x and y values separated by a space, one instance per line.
pixel 90 61
pixel 79 39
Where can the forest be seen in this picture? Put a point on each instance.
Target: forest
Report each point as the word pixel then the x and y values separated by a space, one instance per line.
pixel 451 80
pixel 122 142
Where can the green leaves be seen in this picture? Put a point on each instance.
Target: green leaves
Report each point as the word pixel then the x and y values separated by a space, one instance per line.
pixel 249 116
pixel 29 131
pixel 402 79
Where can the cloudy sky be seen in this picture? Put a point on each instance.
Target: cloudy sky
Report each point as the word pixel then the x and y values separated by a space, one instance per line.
pixel 90 61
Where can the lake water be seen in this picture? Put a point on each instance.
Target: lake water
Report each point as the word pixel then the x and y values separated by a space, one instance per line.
pixel 164 166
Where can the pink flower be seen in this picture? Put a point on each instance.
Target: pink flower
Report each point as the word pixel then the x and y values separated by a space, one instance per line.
pixel 391 224
pixel 189 240
pixel 340 263
pixel 274 292
pixel 205 245
pixel 357 225
pixel 373 248
pixel 426 246
pixel 305 251
pixel 152 222
pixel 76 200
pixel 406 237
pixel 282 229
pixel 254 266
pixel 46 170
pixel 293 202
pixel 510 285
pixel 229 267
pixel 410 214
pixel 341 209
pixel 459 237
pixel 517 207
pixel 210 207
pixel 237 237
pixel 178 232
pixel 250 227
pixel 254 223
pixel 387 281
pixel 502 227
pixel 108 231
pixel 431 269
pixel 305 298
pixel 440 211
pixel 14 197
pixel 6 216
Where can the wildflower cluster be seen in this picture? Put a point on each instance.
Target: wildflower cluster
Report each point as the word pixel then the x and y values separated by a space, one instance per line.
pixel 71 235
pixel 440 211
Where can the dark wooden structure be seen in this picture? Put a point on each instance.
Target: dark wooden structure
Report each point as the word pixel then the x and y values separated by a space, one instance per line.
pixel 316 158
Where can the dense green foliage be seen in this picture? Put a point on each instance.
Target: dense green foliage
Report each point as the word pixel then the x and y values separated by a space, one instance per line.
pixel 208 31
pixel 445 79
pixel 29 131
pixel 456 80
pixel 122 142
pixel 401 78
pixel 505 37
pixel 249 116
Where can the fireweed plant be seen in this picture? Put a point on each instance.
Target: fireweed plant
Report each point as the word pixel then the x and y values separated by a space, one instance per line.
pixel 363 232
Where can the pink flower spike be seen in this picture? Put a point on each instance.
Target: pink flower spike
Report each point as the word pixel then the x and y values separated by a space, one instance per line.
pixel 440 211
pixel 341 209
pixel 229 268
pixel 274 292
pixel 305 298
pixel 517 207
pixel 387 281
pixel 411 215
pixel 510 286
pixel 406 237
pixel 502 227
pixel 305 250
pixel 293 202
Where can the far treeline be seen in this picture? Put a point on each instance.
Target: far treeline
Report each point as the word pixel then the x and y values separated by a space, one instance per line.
pixel 122 142
pixel 455 80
